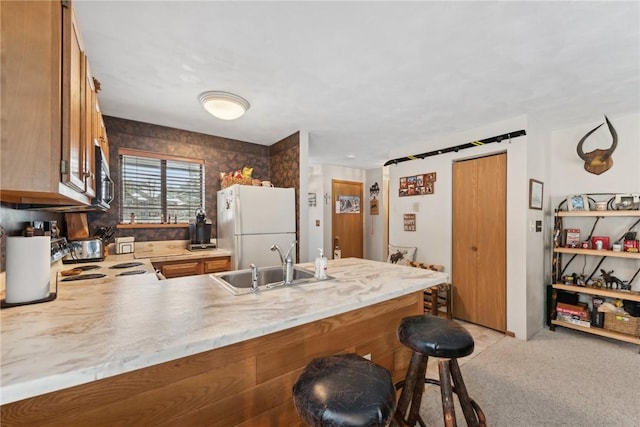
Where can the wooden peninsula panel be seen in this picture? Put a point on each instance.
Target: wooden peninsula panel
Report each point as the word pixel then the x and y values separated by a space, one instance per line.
pixel 244 384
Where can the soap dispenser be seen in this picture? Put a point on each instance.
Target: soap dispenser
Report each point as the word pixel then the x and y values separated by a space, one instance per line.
pixel 321 266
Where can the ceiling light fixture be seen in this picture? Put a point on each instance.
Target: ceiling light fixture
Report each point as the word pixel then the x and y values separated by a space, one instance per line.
pixel 224 105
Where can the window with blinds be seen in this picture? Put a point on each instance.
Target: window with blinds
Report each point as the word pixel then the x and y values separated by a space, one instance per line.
pixel 156 187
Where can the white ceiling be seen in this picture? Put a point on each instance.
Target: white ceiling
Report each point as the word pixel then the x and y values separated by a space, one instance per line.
pixel 363 77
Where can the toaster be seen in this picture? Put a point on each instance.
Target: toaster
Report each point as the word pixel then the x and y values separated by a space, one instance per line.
pixel 84 250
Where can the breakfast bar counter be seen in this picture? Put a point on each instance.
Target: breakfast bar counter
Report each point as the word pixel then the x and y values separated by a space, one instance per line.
pixel 94 339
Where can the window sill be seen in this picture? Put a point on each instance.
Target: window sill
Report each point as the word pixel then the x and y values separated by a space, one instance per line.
pixel 179 225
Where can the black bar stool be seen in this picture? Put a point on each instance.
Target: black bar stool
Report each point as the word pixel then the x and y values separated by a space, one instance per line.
pixel 344 390
pixel 429 335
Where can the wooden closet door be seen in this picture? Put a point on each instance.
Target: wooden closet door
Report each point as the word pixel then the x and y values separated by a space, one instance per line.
pixel 479 241
pixel 492 242
pixel 465 234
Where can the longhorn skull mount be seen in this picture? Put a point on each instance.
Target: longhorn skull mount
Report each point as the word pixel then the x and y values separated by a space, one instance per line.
pixel 598 161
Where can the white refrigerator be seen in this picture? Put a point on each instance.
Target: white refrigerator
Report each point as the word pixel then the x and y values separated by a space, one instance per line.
pixel 253 218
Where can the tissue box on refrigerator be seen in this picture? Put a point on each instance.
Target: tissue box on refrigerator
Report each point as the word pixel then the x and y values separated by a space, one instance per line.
pixel 125 245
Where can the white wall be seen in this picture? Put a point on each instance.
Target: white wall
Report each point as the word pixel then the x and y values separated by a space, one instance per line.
pixel 374 225
pixel 567 177
pixel 433 212
pixel 538 243
pixel 320 177
pixel 303 243
pixel 315 233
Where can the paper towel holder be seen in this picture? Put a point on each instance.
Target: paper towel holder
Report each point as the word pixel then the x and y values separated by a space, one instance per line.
pixel 51 297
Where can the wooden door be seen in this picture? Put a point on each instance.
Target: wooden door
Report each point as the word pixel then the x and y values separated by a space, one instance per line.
pixel 479 241
pixel 347 220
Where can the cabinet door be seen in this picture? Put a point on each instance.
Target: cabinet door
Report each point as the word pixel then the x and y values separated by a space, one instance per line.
pixel 102 132
pixel 180 269
pixel 216 265
pixel 72 102
pixel 89 130
pixel 30 97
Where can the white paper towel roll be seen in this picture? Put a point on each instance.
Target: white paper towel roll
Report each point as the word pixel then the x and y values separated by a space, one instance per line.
pixel 28 268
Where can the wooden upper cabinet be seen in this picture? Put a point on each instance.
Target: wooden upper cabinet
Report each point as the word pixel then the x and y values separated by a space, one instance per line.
pixel 47 96
pixel 102 133
pixel 89 130
pixel 73 103
pixel 30 110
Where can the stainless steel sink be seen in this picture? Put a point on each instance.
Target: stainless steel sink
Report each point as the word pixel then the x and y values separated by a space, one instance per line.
pixel 239 282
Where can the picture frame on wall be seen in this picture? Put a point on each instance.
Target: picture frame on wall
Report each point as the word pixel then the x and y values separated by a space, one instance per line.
pixel 536 191
pixel 417 185
pixel 578 202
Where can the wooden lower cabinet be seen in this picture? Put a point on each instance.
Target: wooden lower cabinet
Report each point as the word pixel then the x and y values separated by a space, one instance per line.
pixel 244 384
pixel 216 265
pixel 193 267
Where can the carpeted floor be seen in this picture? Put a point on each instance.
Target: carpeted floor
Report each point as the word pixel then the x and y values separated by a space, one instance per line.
pixel 561 378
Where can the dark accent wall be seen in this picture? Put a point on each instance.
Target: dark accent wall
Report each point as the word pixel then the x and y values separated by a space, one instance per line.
pixel 285 170
pixel 220 155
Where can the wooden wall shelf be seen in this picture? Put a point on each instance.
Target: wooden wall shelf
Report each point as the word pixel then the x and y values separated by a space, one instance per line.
pixel 595 252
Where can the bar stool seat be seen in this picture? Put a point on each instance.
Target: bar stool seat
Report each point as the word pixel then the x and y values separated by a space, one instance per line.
pixel 435 336
pixel 344 390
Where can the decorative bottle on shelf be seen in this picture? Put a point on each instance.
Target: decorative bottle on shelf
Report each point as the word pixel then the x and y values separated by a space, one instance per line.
pixel 337 253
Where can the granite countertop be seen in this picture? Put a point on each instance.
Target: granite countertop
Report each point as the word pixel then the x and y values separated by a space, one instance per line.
pixel 104 329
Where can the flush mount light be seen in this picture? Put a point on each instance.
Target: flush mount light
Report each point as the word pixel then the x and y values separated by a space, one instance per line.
pixel 224 105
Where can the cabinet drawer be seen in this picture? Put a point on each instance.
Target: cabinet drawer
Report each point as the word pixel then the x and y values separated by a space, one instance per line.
pixel 181 269
pixel 216 265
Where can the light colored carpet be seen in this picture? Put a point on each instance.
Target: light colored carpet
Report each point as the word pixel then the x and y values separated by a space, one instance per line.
pixel 561 378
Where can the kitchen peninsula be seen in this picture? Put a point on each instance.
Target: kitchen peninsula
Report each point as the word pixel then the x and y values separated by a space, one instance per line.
pixel 186 352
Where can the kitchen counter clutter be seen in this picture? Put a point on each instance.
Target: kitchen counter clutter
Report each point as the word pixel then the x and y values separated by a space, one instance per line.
pixel 102 330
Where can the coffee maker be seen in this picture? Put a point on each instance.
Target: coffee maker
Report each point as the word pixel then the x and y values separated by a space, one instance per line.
pixel 200 232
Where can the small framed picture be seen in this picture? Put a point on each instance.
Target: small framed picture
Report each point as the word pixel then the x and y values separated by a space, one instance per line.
pixel 578 203
pixel 535 194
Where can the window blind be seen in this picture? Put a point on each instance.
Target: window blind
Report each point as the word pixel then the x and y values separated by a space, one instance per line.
pixel 160 187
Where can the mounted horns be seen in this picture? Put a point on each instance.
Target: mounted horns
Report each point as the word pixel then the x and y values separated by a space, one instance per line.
pixel 598 161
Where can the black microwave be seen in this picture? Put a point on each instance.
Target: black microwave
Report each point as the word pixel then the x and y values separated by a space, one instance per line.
pixel 104 184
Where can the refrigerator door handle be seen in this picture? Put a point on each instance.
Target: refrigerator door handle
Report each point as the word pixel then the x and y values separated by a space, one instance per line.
pixel 238 261
pixel 236 215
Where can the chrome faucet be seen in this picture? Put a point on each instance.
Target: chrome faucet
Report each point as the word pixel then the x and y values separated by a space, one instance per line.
pixel 287 262
pixel 254 278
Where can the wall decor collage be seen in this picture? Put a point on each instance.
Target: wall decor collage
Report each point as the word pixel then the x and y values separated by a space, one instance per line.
pixel 417 185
